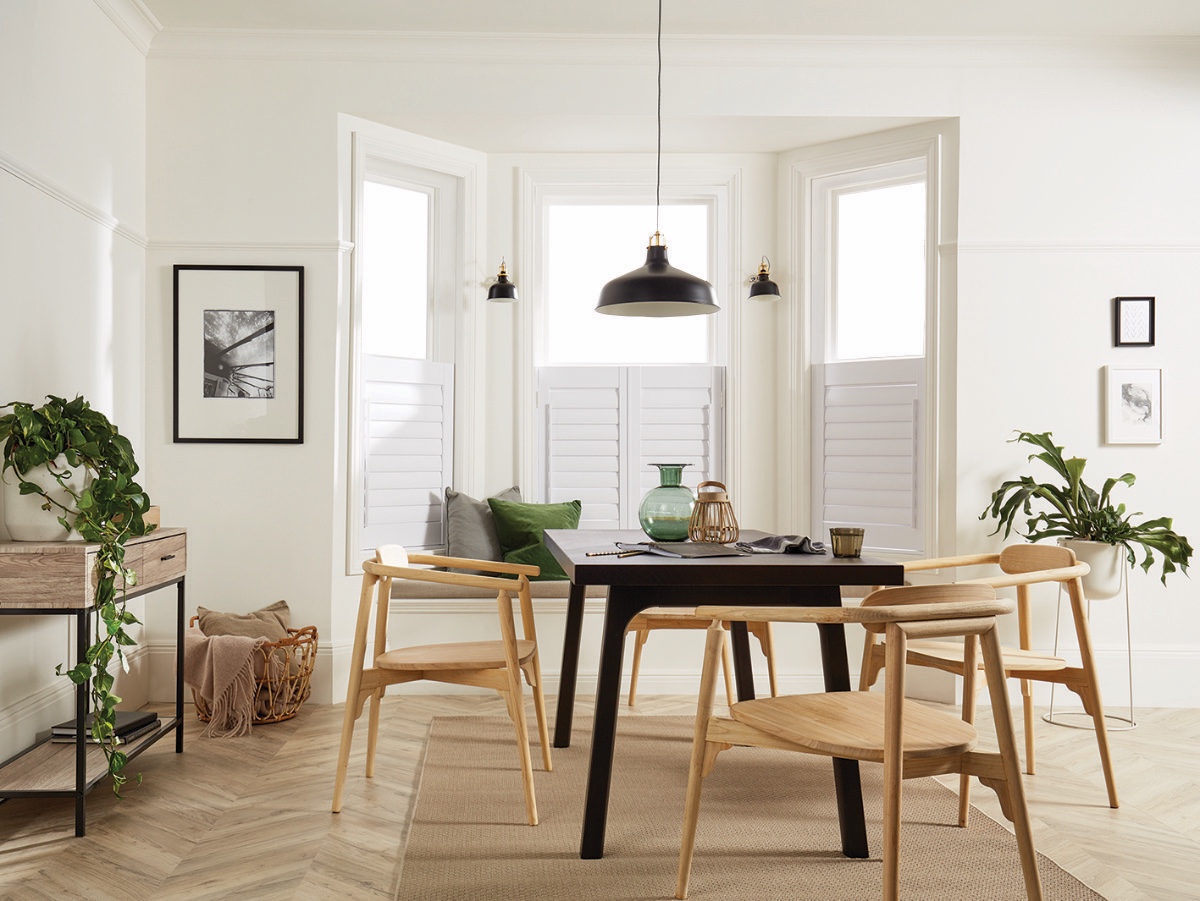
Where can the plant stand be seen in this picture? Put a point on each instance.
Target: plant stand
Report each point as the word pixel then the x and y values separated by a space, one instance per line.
pixel 1068 717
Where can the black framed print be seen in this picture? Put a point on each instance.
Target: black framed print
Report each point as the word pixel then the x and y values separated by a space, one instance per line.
pixel 1133 321
pixel 239 354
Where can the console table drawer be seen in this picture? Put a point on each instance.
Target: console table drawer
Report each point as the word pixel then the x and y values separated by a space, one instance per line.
pixel 164 560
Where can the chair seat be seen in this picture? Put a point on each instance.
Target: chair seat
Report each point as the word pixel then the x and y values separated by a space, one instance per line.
pixel 850 724
pixel 462 655
pixel 931 653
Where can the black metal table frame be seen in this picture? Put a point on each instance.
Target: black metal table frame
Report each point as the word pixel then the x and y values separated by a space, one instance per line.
pixel 626 601
pixel 83 631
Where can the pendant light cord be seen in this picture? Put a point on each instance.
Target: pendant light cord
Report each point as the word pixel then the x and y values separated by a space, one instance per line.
pixel 658 162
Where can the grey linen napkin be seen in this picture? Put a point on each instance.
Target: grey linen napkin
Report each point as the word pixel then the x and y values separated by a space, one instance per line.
pixel 782 544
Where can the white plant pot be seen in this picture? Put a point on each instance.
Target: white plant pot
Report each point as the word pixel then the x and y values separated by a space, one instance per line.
pixel 1107 562
pixel 23 514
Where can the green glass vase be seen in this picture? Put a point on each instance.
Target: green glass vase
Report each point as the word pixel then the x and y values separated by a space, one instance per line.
pixel 665 511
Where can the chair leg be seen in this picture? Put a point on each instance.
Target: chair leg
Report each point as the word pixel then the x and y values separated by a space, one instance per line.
pixel 1007 742
pixel 767 640
pixel 727 669
pixel 516 711
pixel 869 671
pixel 373 731
pixel 642 635
pixel 970 690
pixel 893 759
pixel 539 707
pixel 348 719
pixel 714 644
pixel 1027 710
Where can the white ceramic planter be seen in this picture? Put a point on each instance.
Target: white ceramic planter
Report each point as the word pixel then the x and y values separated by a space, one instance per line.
pixel 1107 562
pixel 23 514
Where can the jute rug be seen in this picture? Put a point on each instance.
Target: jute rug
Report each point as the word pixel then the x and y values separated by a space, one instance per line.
pixel 768 827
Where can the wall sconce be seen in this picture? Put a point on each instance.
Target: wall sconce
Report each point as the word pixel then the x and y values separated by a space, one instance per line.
pixel 502 290
pixel 762 286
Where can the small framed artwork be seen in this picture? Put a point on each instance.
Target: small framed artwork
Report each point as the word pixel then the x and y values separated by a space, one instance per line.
pixel 1133 321
pixel 239 354
pixel 1133 405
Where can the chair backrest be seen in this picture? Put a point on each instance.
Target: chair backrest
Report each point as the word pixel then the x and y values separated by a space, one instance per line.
pixel 911 595
pixel 1025 558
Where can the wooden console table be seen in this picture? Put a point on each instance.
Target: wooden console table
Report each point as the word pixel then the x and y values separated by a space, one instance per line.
pixel 55 578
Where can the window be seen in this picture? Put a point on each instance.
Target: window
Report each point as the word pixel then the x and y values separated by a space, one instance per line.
pixel 614 394
pixel 411 224
pixel 872 245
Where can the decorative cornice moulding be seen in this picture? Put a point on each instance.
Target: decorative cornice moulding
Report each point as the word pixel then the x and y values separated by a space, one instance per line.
pixel 256 247
pixel 67 199
pixel 1026 247
pixel 134 20
pixel 737 51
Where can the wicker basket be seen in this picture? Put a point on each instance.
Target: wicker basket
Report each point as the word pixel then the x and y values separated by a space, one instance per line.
pixel 279 698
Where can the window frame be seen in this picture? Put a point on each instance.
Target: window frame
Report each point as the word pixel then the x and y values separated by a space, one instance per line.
pixel 371 149
pixel 630 181
pixel 937 144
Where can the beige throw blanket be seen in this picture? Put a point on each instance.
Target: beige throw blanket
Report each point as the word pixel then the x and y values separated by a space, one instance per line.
pixel 221 670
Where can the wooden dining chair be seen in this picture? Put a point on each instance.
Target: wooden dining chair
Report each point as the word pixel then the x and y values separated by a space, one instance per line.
pixel 685 618
pixel 498 664
pixel 909 739
pixel 1020 566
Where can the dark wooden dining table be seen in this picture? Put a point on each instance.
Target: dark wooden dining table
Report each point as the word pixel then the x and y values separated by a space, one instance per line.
pixel 638 582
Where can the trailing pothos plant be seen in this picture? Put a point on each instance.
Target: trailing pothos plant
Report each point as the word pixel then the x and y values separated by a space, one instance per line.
pixel 65 436
pixel 1074 509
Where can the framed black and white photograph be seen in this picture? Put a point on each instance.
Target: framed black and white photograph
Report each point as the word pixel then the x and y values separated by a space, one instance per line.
pixel 1133 321
pixel 239 354
pixel 1133 405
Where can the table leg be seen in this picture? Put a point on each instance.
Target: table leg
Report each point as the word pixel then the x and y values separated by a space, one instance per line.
pixel 179 668
pixel 743 669
pixel 569 671
pixel 83 697
pixel 846 781
pixel 617 614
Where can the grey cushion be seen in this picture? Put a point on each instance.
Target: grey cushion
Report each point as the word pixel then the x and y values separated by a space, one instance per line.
pixel 470 529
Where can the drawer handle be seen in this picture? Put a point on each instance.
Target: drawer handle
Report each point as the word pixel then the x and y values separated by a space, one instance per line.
pixel 168 557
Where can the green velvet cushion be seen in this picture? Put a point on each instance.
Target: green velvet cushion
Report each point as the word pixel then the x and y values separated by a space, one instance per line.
pixel 520 528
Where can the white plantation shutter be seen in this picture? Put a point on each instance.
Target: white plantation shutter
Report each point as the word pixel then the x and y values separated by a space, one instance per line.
pixel 600 427
pixel 867 450
pixel 409 451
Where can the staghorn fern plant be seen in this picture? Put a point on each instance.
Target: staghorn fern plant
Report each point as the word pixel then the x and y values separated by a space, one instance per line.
pixel 1076 510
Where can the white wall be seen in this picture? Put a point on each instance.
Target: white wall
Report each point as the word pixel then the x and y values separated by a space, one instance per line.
pixel 1077 185
pixel 72 272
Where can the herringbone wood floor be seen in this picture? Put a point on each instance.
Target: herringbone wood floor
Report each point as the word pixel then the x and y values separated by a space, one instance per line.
pixel 249 818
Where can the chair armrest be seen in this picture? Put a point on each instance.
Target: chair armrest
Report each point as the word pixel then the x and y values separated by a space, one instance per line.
pixel 494 583
pixel 1008 580
pixel 496 566
pixel 951 562
pixel 884 613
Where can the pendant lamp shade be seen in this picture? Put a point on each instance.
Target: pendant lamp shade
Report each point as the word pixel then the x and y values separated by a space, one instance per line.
pixel 502 289
pixel 762 286
pixel 657 289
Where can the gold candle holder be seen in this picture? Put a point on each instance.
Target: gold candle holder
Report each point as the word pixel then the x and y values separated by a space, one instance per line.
pixel 846 541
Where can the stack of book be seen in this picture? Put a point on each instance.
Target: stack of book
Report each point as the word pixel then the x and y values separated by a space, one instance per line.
pixel 130 724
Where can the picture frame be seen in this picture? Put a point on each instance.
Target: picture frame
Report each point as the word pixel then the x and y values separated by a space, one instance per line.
pixel 1133 321
pixel 238 354
pixel 1133 405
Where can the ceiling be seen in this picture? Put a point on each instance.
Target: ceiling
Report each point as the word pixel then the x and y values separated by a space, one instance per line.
pixel 1034 18
pixel 535 131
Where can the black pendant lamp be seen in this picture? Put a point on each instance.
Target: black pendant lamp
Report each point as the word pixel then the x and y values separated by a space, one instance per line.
pixel 502 289
pixel 657 288
pixel 763 286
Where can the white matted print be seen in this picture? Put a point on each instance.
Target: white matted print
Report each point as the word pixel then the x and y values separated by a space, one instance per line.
pixel 1133 405
pixel 239 359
